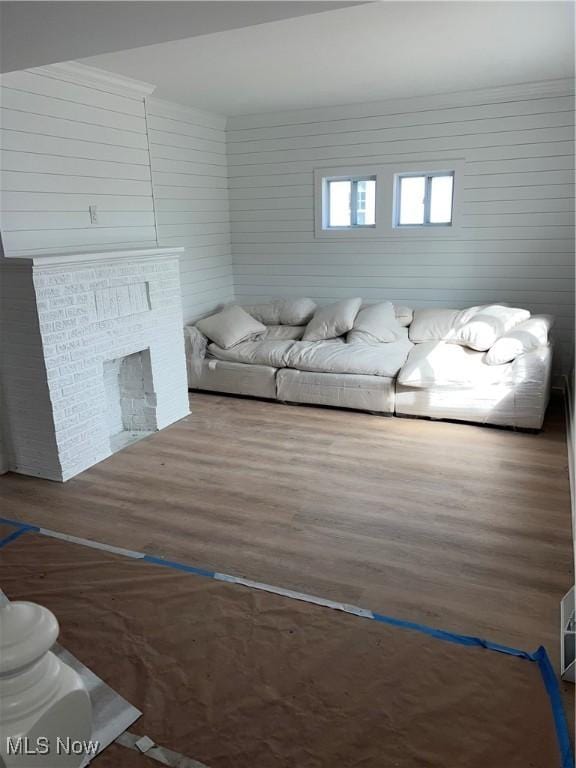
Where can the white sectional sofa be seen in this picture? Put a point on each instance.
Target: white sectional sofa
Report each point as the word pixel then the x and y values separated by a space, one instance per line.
pixel 489 365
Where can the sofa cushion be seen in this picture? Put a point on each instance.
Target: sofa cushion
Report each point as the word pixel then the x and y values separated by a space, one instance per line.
pixel 440 364
pixel 283 332
pixel 282 311
pixel 404 315
pixel 296 311
pixel 230 327
pixel 482 330
pixel 438 324
pixel 333 320
pixel 343 390
pixel 273 353
pixel 196 341
pixel 334 356
pixel 525 337
pixel 375 323
pixel 268 314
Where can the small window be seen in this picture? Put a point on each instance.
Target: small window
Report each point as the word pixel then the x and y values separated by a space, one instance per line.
pixel 349 203
pixel 424 200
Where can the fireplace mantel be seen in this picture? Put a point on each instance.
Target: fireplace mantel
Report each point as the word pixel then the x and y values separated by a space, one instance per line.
pixel 89 258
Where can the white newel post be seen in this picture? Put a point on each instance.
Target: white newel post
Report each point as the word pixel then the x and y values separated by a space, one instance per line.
pixel 45 710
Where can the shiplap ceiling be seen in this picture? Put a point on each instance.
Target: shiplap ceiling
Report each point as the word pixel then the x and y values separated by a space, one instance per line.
pixel 363 53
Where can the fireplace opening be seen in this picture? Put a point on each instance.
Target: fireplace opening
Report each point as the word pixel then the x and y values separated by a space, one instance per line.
pixel 130 399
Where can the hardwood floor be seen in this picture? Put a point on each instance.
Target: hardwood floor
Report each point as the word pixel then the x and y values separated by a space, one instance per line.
pixel 462 527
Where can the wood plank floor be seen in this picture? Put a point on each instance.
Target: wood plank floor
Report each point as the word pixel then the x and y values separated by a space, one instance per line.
pixel 462 527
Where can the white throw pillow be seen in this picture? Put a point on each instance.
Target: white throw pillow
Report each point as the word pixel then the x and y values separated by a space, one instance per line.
pixel 269 313
pixel 524 338
pixel 375 323
pixel 404 315
pixel 491 322
pixel 282 311
pixel 333 320
pixel 230 327
pixel 439 324
pixel 295 311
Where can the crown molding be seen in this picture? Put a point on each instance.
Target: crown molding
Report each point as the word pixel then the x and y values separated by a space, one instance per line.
pixel 82 74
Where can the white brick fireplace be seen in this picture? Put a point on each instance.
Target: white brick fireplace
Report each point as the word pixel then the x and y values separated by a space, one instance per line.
pixel 93 356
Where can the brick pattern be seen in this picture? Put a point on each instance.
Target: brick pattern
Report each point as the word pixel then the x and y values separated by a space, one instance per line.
pixel 27 423
pixel 69 342
pixel 112 389
pixel 134 393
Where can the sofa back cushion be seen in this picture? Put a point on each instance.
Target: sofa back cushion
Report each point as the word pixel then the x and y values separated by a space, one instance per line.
pixel 230 327
pixel 438 324
pixel 375 323
pixel 282 311
pixel 267 314
pixel 296 311
pixel 525 337
pixel 283 333
pixel 333 320
pixel 482 330
pixel 404 315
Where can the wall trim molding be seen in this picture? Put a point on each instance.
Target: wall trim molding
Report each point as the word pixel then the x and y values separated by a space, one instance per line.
pixel 82 74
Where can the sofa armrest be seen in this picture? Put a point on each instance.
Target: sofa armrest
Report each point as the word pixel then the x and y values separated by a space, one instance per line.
pixel 534 366
pixel 195 345
pixel 532 376
pixel 196 342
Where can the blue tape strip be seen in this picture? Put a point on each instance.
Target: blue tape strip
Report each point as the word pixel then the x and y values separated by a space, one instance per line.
pixel 16 534
pixel 553 690
pixel 453 637
pixel 540 656
pixel 17 523
pixel 178 566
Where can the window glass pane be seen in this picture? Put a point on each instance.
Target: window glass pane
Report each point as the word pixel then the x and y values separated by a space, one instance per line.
pixel 412 191
pixel 339 203
pixel 441 199
pixel 366 202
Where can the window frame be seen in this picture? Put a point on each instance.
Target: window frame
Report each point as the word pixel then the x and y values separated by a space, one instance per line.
pixel 428 176
pixel 326 181
pixel 385 213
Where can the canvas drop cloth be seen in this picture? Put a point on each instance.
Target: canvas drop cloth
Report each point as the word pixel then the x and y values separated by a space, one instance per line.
pixel 239 678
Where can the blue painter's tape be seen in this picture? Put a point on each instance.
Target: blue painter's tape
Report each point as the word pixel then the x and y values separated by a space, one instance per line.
pixel 178 566
pixel 553 690
pixel 16 534
pixel 18 524
pixel 452 637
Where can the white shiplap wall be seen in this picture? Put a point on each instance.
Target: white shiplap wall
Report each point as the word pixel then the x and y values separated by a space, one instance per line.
pixel 65 146
pixel 189 176
pixel 516 243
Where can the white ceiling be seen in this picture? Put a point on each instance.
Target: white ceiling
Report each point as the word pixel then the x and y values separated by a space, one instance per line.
pixel 363 53
pixel 33 34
